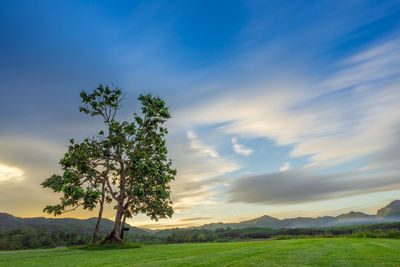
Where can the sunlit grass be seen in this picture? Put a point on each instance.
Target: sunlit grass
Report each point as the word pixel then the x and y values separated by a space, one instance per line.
pixel 293 252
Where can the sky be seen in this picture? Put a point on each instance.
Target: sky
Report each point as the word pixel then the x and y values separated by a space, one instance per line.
pixel 280 108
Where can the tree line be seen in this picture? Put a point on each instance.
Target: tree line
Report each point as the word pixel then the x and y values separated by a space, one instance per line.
pixel 382 230
pixel 31 238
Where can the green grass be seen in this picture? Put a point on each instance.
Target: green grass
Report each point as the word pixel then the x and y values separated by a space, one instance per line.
pixel 293 252
pixel 106 246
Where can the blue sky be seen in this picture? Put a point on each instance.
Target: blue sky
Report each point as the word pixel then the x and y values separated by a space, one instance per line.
pixel 285 108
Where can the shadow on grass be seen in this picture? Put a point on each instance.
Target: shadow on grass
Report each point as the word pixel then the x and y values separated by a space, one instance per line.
pixel 106 246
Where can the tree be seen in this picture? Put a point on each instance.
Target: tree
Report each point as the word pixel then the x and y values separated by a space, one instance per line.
pixel 82 182
pixel 126 163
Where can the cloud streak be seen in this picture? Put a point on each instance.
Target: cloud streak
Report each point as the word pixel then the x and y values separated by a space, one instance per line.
pixel 200 168
pixel 198 147
pixel 195 219
pixel 301 186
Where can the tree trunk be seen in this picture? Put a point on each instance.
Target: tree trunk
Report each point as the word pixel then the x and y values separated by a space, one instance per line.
pixel 97 228
pixel 121 235
pixel 113 236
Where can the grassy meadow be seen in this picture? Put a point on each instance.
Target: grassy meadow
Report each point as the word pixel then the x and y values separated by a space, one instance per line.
pixel 292 252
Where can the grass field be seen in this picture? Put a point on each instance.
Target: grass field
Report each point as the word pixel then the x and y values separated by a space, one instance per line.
pixel 294 252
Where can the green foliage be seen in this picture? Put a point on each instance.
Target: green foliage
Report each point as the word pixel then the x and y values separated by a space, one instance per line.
pixel 31 238
pixel 80 181
pixel 380 234
pixel 135 152
pixel 101 99
pixel 382 230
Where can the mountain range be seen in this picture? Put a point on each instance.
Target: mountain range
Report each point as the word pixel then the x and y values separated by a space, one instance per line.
pixel 389 213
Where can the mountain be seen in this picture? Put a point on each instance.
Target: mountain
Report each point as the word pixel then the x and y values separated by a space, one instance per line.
pixel 390 211
pixel 262 222
pixel 353 215
pixel 67 225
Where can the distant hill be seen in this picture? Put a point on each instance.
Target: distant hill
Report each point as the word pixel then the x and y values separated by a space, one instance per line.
pixel 390 213
pixel 67 225
pixel 353 215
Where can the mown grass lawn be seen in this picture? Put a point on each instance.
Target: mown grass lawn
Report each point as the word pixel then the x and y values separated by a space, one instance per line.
pixel 295 252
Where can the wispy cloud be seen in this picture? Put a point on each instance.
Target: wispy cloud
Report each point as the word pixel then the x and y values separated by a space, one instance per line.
pixel 240 149
pixel 198 147
pixel 200 168
pixel 195 219
pixel 352 113
pixel 285 167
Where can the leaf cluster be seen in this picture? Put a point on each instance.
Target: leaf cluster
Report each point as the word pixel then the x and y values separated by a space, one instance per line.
pixel 80 180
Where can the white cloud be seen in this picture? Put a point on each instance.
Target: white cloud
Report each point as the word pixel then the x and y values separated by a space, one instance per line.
pixel 352 113
pixel 10 173
pixel 285 167
pixel 198 147
pixel 240 149
pixel 199 170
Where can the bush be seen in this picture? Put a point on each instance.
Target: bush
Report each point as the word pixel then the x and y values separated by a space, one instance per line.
pixel 390 234
pixel 282 237
pixel 328 235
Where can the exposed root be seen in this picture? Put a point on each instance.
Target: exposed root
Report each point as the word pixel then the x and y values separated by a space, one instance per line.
pixel 112 238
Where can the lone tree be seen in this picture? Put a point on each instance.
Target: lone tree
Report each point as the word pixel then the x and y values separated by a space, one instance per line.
pixel 126 164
